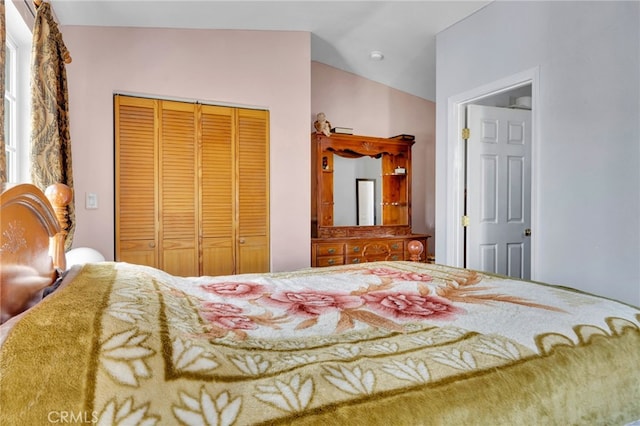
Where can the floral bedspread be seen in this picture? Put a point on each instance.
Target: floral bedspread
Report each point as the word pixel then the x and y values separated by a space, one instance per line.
pixel 378 343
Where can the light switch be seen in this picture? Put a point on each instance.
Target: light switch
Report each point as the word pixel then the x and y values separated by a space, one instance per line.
pixel 91 201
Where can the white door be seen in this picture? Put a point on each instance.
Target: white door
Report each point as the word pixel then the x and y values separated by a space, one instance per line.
pixel 499 190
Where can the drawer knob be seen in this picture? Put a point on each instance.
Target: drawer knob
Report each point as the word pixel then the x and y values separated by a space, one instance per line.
pixel 331 261
pixel 331 250
pixel 356 249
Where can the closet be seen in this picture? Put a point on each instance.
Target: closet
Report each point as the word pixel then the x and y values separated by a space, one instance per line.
pixel 191 186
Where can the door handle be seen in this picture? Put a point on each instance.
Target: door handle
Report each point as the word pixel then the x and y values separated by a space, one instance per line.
pixel 241 241
pixel 527 232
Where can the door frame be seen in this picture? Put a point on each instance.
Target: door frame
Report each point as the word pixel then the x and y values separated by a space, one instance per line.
pixel 456 106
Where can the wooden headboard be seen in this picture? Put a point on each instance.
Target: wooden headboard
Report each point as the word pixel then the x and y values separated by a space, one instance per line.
pixel 33 231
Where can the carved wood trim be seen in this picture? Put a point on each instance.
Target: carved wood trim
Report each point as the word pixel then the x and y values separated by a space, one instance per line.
pixel 363 231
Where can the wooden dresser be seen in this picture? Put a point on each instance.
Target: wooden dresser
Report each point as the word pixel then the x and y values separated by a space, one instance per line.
pixel 353 223
pixel 350 251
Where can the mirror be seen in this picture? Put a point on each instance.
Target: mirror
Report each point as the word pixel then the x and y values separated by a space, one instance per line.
pixel 349 199
pixel 365 202
pixel 336 163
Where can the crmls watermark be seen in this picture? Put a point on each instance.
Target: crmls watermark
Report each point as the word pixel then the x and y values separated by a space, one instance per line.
pixel 74 417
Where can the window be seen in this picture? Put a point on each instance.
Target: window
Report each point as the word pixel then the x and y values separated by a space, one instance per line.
pixel 17 104
pixel 10 99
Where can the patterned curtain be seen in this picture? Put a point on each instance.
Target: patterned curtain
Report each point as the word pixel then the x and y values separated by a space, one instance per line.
pixel 3 153
pixel 50 139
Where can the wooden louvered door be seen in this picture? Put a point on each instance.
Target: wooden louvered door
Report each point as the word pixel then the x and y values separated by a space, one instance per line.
pixel 217 190
pixel 252 150
pixel 178 197
pixel 192 187
pixel 135 177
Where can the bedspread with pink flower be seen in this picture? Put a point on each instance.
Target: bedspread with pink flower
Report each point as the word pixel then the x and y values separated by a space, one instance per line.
pixel 378 343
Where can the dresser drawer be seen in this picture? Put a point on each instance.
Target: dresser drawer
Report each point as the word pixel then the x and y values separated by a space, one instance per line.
pixel 354 260
pixel 397 250
pixel 395 246
pixel 354 248
pixel 329 260
pixel 396 256
pixel 329 249
pixel 373 250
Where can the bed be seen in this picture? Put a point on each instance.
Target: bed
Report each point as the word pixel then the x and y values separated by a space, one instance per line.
pixel 376 343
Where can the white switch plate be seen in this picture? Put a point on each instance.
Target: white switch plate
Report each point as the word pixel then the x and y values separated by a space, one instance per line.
pixel 91 201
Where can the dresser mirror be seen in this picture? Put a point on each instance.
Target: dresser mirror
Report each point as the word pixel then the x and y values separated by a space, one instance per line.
pixel 366 202
pixel 357 191
pixel 338 162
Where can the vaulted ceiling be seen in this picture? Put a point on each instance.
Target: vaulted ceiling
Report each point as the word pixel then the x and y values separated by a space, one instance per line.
pixel 343 33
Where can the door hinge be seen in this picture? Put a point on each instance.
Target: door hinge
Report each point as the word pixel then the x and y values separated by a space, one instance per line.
pixel 465 221
pixel 466 133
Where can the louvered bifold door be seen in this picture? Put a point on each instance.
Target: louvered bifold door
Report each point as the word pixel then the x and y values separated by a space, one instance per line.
pixel 217 190
pixel 135 189
pixel 178 184
pixel 252 151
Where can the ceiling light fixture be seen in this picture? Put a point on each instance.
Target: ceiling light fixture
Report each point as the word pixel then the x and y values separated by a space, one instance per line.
pixel 376 55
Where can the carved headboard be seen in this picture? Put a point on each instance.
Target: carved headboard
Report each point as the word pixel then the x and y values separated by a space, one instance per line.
pixel 31 243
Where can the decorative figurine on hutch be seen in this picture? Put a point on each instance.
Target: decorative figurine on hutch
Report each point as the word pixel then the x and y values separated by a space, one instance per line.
pixel 322 125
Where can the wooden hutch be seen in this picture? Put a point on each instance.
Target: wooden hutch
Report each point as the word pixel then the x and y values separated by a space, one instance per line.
pixel 334 243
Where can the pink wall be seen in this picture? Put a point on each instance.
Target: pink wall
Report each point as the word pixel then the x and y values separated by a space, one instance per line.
pixel 243 68
pixel 373 109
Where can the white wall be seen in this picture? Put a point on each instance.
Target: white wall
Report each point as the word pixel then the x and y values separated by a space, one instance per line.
pixel 587 204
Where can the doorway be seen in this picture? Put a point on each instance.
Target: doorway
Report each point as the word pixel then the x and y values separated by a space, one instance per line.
pixel 502 93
